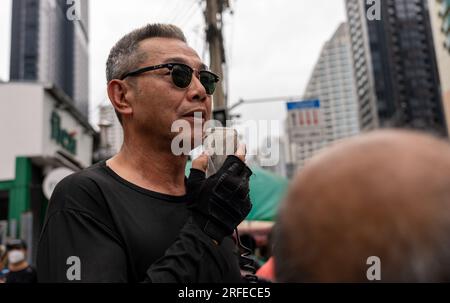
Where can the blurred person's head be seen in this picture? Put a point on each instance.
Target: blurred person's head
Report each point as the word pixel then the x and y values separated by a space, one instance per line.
pixel 17 251
pixel 147 103
pixel 384 194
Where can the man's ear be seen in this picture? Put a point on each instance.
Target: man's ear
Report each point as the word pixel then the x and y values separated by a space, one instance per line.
pixel 118 93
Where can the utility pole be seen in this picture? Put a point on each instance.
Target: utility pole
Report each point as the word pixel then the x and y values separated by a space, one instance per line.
pixel 214 37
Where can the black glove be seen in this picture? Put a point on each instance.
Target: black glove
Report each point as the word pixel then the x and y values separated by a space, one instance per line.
pixel 221 202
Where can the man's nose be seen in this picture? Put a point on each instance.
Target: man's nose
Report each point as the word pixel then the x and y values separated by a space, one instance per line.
pixel 196 90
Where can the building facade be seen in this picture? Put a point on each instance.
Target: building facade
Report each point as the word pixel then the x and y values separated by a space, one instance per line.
pixel 45 133
pixel 331 82
pixel 397 81
pixel 440 23
pixel 49 44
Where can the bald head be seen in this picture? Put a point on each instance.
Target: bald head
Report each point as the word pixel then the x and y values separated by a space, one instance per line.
pixel 383 194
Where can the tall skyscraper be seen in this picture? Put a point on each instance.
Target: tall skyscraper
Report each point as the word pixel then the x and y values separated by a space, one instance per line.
pixel 331 82
pixel 49 44
pixel 440 23
pixel 395 65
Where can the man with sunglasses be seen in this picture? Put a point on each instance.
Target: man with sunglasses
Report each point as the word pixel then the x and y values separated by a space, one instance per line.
pixel 135 217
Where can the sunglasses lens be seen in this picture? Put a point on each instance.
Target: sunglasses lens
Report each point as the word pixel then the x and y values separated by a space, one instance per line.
pixel 181 76
pixel 209 82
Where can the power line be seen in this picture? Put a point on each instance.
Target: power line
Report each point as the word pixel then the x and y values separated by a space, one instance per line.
pixel 175 11
pixel 165 12
pixel 181 10
pixel 190 14
pixel 160 11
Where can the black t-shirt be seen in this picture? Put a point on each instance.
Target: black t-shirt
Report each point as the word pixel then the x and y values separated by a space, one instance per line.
pixel 116 231
pixel 27 275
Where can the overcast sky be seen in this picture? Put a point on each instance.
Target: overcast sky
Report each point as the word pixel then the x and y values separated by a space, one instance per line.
pixel 271 45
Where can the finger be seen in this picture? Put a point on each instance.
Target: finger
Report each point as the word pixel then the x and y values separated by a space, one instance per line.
pixel 241 152
pixel 201 163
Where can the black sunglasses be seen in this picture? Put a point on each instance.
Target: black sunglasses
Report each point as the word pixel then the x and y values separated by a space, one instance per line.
pixel 181 75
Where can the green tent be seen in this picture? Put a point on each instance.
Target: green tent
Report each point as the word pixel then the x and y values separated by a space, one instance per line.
pixel 266 192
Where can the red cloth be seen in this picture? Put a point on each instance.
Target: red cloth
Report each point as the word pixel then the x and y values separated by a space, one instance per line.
pixel 267 271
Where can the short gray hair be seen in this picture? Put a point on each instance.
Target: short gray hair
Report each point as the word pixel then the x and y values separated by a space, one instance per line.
pixel 124 56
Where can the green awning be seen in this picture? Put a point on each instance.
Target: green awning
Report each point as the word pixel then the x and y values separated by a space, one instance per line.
pixel 266 192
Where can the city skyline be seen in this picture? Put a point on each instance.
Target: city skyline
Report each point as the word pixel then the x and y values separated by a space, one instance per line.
pixel 48 47
pixel 194 31
pixel 254 47
pixel 332 83
pixel 395 66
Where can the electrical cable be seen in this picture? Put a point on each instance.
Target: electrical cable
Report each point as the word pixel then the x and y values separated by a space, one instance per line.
pixel 245 261
pixel 181 10
pixel 189 14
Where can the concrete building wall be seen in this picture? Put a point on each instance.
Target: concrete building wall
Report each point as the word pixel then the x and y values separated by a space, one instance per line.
pixel 25 128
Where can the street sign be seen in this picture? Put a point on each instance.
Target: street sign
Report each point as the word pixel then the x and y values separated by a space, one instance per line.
pixel 305 120
pixel 299 105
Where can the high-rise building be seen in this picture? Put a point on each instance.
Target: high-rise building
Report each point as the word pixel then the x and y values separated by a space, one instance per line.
pixel 49 44
pixel 331 82
pixel 395 65
pixel 445 15
pixel 440 23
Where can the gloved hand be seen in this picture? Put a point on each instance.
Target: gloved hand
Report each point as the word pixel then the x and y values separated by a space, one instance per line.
pixel 221 202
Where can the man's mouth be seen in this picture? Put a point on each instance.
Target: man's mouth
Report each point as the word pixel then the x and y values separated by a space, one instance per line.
pixel 200 115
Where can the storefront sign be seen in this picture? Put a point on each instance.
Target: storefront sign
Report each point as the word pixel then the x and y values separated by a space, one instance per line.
pixel 62 136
